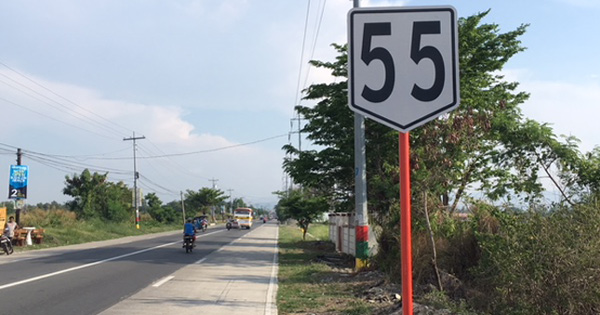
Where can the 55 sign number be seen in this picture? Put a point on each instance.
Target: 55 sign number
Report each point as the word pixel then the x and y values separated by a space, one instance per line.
pixel 403 64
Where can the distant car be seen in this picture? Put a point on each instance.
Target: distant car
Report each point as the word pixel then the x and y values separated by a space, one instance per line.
pixel 234 223
pixel 263 219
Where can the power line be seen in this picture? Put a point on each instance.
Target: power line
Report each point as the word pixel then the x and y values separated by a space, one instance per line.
pixel 198 152
pixel 314 46
pixel 64 98
pixel 296 101
pixel 57 120
pixel 64 109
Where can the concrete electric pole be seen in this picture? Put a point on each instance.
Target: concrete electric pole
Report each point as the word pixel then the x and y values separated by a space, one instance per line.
pixel 135 178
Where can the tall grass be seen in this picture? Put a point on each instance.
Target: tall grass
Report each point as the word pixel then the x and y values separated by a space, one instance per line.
pixel 61 227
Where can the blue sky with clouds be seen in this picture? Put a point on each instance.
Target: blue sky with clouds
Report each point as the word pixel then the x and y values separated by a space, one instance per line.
pixel 208 77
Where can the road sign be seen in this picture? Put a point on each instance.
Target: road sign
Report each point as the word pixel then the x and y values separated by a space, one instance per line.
pixel 403 64
pixel 19 177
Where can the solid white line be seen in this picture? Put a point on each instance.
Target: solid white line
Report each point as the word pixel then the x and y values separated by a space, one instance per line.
pixel 269 306
pixel 82 266
pixel 163 281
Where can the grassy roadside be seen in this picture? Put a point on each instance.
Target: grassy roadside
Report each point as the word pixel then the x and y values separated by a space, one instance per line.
pixel 66 230
pixel 307 284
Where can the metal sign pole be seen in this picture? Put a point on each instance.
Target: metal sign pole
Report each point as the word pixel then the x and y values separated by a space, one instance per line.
pixel 405 224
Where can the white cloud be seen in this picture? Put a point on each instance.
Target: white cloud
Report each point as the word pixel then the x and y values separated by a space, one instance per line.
pixel 249 170
pixel 572 109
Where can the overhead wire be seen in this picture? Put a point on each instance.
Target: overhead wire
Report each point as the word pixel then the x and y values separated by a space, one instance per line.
pixel 174 165
pixel 296 101
pixel 66 99
pixel 52 118
pixel 73 164
pixel 157 169
pixel 195 152
pixel 314 44
pixel 63 108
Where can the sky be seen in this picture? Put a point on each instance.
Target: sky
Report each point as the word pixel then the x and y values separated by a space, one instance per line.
pixel 212 85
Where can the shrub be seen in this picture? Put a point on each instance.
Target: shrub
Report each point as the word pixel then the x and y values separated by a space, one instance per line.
pixel 540 263
pixel 48 218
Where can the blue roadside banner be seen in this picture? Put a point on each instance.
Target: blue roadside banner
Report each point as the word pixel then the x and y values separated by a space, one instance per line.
pixel 19 178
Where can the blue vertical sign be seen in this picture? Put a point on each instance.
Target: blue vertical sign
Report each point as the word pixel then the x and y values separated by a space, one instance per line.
pixel 17 187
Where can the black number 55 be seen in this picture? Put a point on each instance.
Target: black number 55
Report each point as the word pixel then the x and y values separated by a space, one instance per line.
pixel 417 53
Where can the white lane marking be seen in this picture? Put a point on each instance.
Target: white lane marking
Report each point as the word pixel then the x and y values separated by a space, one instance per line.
pixel 91 264
pixel 269 306
pixel 163 281
pixel 48 275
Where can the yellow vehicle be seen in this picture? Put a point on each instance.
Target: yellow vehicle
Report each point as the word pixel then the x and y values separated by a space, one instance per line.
pixel 243 216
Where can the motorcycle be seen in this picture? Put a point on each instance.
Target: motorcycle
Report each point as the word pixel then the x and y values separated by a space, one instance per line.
pixel 188 243
pixel 228 225
pixel 6 245
pixel 204 226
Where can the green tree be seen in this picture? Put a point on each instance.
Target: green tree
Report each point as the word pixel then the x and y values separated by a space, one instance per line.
pixel 301 206
pixel 173 211
pixel 95 197
pixel 204 200
pixel 159 212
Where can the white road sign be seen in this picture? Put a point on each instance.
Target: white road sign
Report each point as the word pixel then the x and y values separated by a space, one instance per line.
pixel 403 64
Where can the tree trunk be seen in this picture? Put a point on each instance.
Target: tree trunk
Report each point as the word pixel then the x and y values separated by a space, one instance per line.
pixel 432 239
pixel 461 189
pixel 304 231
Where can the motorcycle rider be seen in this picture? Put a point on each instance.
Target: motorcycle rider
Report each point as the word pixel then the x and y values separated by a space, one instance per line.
pixel 10 227
pixel 190 230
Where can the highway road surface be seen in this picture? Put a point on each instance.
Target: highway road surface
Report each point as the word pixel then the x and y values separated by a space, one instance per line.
pixel 147 275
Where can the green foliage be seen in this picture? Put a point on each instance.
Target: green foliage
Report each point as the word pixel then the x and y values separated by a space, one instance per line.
pixel 63 227
pixel 48 218
pixel 9 205
pixel 485 144
pixel 160 213
pixel 539 263
pixel 202 201
pixel 302 207
pixel 95 197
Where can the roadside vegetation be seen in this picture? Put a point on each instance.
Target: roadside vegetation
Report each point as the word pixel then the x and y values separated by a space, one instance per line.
pixel 61 227
pixel 100 209
pixel 306 283
pixel 486 239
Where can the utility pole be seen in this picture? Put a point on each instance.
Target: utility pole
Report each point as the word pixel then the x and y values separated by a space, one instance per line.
pixel 212 209
pixel 182 206
pixel 299 132
pixel 18 204
pixel 230 200
pixel 135 178
pixel 360 190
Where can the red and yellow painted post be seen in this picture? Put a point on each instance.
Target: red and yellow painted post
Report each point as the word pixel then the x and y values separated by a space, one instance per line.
pixel 362 246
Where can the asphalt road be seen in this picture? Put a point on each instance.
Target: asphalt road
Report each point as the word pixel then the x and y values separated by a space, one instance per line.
pixel 90 280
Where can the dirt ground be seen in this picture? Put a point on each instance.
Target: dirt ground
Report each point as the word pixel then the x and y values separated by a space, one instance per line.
pixel 371 286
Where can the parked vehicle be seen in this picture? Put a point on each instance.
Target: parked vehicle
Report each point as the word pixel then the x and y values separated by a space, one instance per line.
pixel 6 244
